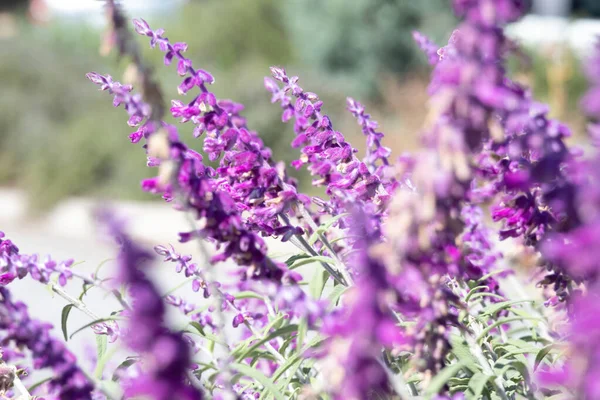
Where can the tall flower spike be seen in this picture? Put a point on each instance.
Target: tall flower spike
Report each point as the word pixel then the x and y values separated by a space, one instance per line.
pixel 356 348
pixel 426 237
pixel 427 46
pixel 576 251
pixel 166 355
pixel 375 150
pixel 534 174
pixel 182 173
pixel 18 329
pixel 260 188
pixel 325 151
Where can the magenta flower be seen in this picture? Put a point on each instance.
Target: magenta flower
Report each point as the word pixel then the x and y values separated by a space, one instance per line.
pixel 166 355
pixel 18 330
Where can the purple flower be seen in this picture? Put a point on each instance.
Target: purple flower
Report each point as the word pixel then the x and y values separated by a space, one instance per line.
pixel 135 107
pixel 375 150
pixel 428 46
pixel 203 195
pixel 260 188
pixel 367 325
pixel 166 354
pixel 14 265
pixel 325 151
pixel 18 330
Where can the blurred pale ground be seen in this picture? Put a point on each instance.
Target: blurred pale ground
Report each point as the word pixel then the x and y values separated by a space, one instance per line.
pixel 64 149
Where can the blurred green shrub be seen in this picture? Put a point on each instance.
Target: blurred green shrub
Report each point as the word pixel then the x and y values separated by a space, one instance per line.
pixel 57 137
pixel 362 39
pixel 60 137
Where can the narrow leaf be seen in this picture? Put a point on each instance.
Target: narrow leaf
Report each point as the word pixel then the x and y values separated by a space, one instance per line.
pixel 63 320
pixel 313 259
pixel 279 332
pixel 438 382
pixel 477 384
pixel 317 284
pixel 129 361
pixel 94 323
pixel 541 355
pixel 260 378
pixel 38 384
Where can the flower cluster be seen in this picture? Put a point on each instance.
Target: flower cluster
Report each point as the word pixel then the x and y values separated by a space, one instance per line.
pixel 166 357
pixel 575 251
pixel 182 171
pixel 14 265
pixel 19 330
pixel 358 372
pixel 261 189
pixel 326 152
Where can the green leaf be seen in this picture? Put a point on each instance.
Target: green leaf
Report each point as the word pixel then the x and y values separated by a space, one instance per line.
pixel 101 343
pixel 486 294
pixel 477 384
pixel 247 295
pixel 302 329
pixel 438 381
pixel 85 287
pixel 290 261
pixel 486 276
pixel 274 324
pixel 103 355
pixel 501 322
pixel 198 327
pixel 312 259
pixel 63 319
pixel 199 330
pixel 99 267
pixel 496 307
pixel 544 351
pixel 260 378
pixel 113 318
pixel 317 284
pixel 296 358
pixel 462 352
pixel 129 361
pixel 473 291
pixel 277 333
pixel 38 384
pixel 336 294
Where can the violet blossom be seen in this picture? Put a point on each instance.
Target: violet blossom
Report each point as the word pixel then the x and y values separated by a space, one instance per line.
pixel 14 265
pixel 325 152
pixel 181 169
pixel 426 236
pixel 261 189
pixel 427 46
pixel 574 251
pixel 19 330
pixel 375 150
pixel 367 325
pixel 166 356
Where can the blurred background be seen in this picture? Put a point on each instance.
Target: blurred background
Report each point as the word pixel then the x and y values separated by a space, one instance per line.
pixel 59 137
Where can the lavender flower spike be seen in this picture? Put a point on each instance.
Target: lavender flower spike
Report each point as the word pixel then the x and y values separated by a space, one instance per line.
pixel 17 329
pixel 17 266
pixel 325 152
pixel 428 46
pixel 356 347
pixel 375 151
pixel 166 355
